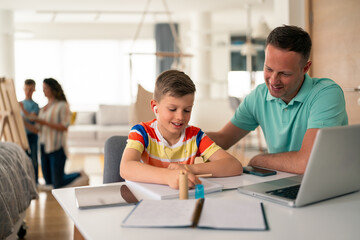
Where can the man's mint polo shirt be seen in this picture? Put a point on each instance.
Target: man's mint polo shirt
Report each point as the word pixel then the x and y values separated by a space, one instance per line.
pixel 319 103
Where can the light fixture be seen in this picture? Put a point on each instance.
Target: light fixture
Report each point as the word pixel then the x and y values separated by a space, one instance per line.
pixel 261 31
pixel 248 49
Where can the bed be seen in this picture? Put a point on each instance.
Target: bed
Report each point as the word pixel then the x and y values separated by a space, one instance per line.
pixel 17 188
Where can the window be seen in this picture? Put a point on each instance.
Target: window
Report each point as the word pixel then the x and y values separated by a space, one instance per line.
pixel 91 72
pixel 239 80
pixel 238 61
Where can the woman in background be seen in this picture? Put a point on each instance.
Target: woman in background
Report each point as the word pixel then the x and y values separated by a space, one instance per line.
pixel 52 125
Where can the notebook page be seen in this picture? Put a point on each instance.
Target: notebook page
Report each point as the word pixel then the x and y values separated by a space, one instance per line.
pixel 161 213
pixel 232 214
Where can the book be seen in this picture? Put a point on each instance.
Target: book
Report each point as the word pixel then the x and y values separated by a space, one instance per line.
pixel 226 214
pixel 104 195
pixel 160 192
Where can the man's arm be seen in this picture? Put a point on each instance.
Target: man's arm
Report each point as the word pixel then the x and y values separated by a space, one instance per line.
pixel 227 136
pixel 293 162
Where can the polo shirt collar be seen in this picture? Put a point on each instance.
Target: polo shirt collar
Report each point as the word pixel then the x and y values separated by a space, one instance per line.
pixel 302 94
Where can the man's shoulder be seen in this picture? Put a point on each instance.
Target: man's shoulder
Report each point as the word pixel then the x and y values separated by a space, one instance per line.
pixel 320 83
pixel 325 87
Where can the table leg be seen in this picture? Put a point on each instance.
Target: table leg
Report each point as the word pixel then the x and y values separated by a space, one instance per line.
pixel 77 234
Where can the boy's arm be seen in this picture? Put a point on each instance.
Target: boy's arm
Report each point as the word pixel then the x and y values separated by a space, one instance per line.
pixel 132 169
pixel 221 164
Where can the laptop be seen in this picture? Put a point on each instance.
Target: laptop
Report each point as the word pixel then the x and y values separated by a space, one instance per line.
pixel 333 170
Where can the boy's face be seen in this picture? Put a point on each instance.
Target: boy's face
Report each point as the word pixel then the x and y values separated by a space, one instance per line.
pixel 173 114
pixel 29 90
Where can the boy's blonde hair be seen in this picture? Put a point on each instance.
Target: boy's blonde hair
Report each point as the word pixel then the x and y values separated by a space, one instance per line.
pixel 173 82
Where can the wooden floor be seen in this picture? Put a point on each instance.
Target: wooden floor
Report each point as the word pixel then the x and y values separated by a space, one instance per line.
pixel 46 219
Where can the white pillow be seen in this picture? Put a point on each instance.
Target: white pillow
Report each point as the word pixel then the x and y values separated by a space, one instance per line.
pixel 85 118
pixel 113 115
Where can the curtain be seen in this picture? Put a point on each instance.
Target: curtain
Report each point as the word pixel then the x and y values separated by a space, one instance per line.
pixel 164 43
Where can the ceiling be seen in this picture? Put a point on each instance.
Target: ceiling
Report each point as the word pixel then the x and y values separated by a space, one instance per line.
pixel 114 11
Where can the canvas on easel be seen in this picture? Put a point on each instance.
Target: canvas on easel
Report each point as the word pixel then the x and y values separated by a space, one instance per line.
pixel 12 128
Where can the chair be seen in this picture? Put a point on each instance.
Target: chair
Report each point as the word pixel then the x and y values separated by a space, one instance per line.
pixel 234 102
pixel 114 148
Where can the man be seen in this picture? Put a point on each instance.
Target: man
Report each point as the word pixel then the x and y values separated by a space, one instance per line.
pixel 290 106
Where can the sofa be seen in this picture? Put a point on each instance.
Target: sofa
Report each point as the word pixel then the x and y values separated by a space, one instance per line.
pixel 92 128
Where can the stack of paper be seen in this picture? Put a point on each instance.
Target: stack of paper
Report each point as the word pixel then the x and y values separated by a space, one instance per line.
pixel 158 191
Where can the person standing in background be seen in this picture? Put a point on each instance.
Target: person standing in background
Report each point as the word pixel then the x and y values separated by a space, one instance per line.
pixel 52 125
pixel 30 109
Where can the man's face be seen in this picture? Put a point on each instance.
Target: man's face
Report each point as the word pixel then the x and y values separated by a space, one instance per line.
pixel 284 72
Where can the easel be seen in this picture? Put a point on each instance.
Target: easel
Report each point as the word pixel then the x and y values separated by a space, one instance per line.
pixel 12 128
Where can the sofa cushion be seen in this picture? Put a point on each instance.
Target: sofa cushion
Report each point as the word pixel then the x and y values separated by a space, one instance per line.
pixel 82 132
pixel 141 109
pixel 113 115
pixel 85 118
pixel 104 132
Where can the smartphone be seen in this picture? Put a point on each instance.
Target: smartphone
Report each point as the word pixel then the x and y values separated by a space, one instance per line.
pixel 262 172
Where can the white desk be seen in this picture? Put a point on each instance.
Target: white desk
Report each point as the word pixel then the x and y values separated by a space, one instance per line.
pixel 337 218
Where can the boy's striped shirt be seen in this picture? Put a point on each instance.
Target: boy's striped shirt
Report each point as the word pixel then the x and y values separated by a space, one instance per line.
pixel 146 138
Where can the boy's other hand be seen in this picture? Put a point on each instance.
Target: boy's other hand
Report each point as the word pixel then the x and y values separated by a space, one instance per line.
pixel 173 179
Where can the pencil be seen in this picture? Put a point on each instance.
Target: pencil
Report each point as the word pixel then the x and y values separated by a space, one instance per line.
pixel 197 212
pixel 204 175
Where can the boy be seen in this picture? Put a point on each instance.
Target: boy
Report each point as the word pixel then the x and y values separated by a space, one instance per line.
pixel 158 150
pixel 30 109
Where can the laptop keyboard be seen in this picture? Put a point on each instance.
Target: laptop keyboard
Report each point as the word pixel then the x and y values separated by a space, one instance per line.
pixel 288 192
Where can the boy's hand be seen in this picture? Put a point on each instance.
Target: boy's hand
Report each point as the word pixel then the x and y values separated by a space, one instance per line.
pixel 21 105
pixel 173 179
pixel 177 166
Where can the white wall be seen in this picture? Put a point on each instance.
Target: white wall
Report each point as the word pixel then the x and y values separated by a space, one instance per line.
pixel 86 30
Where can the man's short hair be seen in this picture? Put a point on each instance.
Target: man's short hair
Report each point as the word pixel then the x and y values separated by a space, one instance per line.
pixel 30 82
pixel 291 38
pixel 173 82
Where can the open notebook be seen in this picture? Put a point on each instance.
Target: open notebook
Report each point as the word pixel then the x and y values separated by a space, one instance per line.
pixel 231 214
